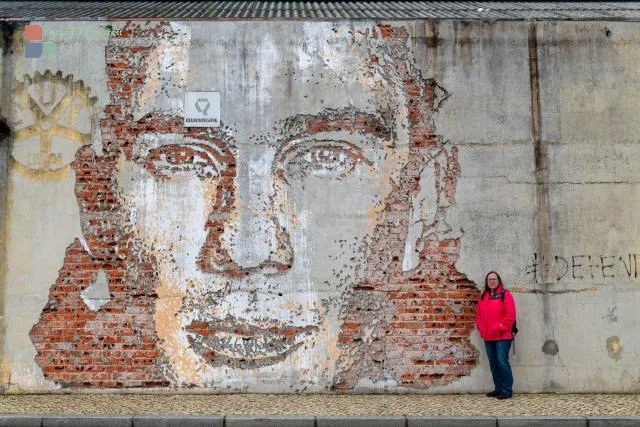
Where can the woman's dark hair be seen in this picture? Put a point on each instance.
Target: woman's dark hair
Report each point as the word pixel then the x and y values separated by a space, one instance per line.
pixel 486 283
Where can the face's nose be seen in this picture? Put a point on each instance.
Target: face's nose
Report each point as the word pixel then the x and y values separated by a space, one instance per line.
pixel 244 234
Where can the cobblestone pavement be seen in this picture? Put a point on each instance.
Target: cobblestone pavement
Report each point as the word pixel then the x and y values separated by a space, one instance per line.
pixel 323 405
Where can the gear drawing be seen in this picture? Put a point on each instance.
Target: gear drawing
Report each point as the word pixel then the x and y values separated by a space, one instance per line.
pixel 52 117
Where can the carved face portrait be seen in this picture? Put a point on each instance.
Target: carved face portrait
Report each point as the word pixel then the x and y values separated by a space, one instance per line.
pixel 260 235
pixel 266 251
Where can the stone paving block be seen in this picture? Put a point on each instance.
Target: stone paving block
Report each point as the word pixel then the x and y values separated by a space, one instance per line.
pixel 20 420
pixel 87 421
pixel 258 421
pixel 177 421
pixel 614 421
pixel 367 421
pixel 542 422
pixel 452 422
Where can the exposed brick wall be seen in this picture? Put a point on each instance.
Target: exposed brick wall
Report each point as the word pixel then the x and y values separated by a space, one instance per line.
pixel 114 347
pixel 422 338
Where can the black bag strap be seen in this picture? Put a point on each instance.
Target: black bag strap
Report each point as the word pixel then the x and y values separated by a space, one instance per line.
pixel 513 333
pixel 514 328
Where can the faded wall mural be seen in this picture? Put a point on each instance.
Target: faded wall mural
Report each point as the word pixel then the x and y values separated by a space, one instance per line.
pixel 305 245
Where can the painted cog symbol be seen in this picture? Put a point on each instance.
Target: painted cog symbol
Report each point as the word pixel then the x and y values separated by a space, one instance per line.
pixel 52 117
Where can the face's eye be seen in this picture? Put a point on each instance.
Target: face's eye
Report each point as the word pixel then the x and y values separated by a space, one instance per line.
pixel 181 160
pixel 322 159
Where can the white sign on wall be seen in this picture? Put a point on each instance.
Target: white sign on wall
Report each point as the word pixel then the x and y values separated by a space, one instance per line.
pixel 202 109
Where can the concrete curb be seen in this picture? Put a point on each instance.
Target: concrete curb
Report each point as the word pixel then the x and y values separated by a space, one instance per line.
pixel 267 421
pixel 20 420
pixel 451 421
pixel 177 421
pixel 308 421
pixel 81 421
pixel 346 421
pixel 542 421
pixel 614 421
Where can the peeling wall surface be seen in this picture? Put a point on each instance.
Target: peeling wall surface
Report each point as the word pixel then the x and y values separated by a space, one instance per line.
pixel 334 232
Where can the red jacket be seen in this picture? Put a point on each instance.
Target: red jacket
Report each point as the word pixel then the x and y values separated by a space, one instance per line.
pixel 494 317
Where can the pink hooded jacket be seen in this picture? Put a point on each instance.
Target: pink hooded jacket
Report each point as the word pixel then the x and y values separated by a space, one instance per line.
pixel 494 317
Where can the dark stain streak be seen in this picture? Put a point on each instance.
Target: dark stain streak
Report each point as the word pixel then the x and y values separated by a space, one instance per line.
pixel 5 130
pixel 463 41
pixel 8 29
pixel 563 291
pixel 432 42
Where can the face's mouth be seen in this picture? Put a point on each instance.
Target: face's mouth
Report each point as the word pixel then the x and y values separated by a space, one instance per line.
pixel 238 344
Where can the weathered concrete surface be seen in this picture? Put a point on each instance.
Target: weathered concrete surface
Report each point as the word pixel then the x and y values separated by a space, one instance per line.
pixel 335 231
pixel 590 170
pixel 588 100
pixel 6 74
pixel 42 215
pixel 484 65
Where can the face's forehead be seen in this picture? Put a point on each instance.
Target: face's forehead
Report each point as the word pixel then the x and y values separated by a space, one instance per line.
pixel 266 77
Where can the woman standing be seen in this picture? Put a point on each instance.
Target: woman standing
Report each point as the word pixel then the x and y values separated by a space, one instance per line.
pixel 495 317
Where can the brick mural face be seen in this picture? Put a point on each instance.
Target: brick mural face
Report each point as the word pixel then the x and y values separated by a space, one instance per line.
pixel 305 245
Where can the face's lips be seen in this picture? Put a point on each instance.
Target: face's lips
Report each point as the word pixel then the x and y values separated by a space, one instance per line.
pixel 234 343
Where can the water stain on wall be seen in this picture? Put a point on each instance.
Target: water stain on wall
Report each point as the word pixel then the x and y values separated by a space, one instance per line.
pixel 614 347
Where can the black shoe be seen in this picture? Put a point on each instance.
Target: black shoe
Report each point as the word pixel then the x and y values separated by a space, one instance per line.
pixel 504 396
pixel 492 394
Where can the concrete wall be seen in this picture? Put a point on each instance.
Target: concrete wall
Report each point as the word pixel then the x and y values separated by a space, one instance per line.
pixel 333 234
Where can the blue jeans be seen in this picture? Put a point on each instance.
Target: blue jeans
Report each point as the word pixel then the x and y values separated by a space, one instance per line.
pixel 498 354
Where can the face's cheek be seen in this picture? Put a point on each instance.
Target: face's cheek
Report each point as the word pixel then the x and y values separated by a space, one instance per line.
pixel 332 219
pixel 166 216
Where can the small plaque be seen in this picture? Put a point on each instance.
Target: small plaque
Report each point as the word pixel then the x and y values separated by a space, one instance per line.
pixel 202 109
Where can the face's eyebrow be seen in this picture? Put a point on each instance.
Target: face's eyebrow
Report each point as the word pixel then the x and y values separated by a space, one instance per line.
pixel 347 119
pixel 163 129
pixel 148 140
